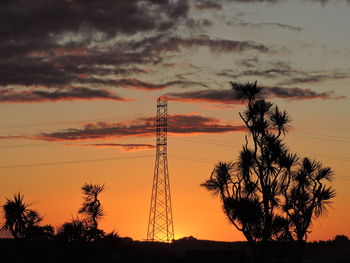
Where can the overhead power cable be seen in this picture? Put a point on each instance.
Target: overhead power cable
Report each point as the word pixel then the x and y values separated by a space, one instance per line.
pixel 53 123
pixel 73 162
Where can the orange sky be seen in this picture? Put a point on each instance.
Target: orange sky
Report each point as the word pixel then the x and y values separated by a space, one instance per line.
pixel 55 189
pixel 77 98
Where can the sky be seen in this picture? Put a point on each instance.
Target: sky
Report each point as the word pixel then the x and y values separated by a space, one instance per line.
pixel 79 82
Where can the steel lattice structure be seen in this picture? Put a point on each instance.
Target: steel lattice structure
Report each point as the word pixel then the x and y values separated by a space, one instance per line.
pixel 160 222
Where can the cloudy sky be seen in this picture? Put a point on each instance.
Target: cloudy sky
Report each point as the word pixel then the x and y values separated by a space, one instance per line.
pixel 79 82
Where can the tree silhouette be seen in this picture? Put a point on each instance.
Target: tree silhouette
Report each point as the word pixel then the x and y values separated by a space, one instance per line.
pixel 92 208
pixel 15 211
pixel 307 197
pixel 341 239
pixel 268 193
pixel 23 222
pixel 74 230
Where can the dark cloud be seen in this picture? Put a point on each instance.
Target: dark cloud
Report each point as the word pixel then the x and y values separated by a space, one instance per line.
pixel 256 68
pixel 61 67
pixel 228 96
pixel 198 24
pixel 177 124
pixel 269 25
pixel 314 77
pixel 323 2
pixel 214 96
pixel 166 44
pixel 254 1
pixel 221 45
pixel 281 70
pixel 87 70
pixel 129 147
pixel 65 69
pixel 49 42
pixel 143 85
pixel 33 71
pixel 270 73
pixel 10 95
pixel 59 43
pixel 296 93
pixel 55 44
pixel 208 5
pixel 45 19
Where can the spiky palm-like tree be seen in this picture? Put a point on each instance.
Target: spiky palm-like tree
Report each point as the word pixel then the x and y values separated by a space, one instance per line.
pixel 91 206
pixel 19 219
pixel 259 192
pixel 307 197
pixel 15 211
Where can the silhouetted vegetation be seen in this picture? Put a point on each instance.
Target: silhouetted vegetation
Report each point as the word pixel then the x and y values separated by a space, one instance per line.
pixel 183 250
pixel 75 230
pixel 86 229
pixel 23 222
pixel 341 239
pixel 270 193
pixel 91 206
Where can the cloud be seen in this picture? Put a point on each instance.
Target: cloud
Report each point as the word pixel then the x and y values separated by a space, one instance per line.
pixel 33 71
pixel 296 93
pixel 202 5
pixel 213 96
pixel 166 44
pixel 11 95
pixel 42 19
pixel 198 24
pixel 60 43
pixel 49 42
pixel 99 44
pixel 270 25
pixel 254 1
pixel 285 73
pixel 177 125
pixel 227 96
pixel 130 147
pixel 69 67
pixel 139 84
pixel 314 77
pixel 323 2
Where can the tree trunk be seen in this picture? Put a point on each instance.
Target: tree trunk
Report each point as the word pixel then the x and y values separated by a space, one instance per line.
pixel 299 251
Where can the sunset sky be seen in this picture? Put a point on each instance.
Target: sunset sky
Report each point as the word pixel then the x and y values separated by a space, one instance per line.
pixel 79 82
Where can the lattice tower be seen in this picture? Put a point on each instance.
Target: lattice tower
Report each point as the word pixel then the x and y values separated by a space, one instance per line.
pixel 160 222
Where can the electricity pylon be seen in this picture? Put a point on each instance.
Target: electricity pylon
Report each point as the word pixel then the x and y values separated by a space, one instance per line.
pixel 160 222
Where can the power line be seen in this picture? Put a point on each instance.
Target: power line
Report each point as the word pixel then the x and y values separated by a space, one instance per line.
pixel 29 145
pixel 187 157
pixel 39 124
pixel 195 140
pixel 330 156
pixel 203 160
pixel 327 156
pixel 323 139
pixel 207 142
pixel 323 135
pixel 174 156
pixel 72 162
